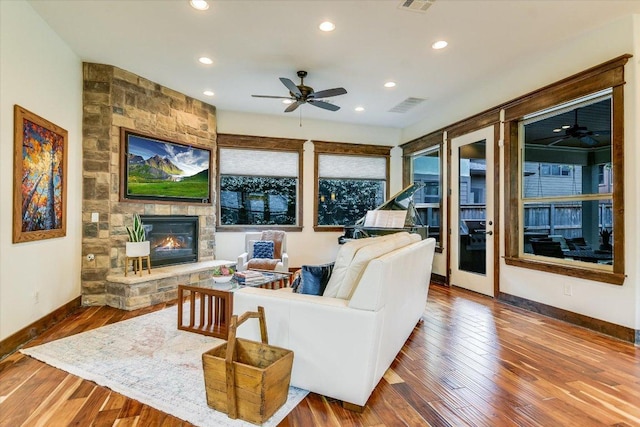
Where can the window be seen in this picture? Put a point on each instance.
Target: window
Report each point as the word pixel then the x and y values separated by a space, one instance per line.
pixel 422 162
pixel 571 214
pixel 259 185
pixel 350 180
pixel 547 169
pixel 565 187
pixel 425 169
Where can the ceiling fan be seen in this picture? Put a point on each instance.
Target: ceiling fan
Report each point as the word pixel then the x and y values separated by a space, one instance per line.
pixel 301 94
pixel 582 133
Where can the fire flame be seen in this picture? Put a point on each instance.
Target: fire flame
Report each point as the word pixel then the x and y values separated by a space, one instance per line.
pixel 170 242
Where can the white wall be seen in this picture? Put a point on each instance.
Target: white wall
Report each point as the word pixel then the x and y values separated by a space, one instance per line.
pixel 616 304
pixel 307 246
pixel 40 73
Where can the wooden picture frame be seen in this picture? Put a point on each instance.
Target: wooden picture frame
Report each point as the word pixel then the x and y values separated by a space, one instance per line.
pixel 40 178
pixel 163 171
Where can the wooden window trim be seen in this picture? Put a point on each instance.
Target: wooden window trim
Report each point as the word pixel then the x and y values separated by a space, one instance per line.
pixel 341 148
pixel 607 75
pixel 249 142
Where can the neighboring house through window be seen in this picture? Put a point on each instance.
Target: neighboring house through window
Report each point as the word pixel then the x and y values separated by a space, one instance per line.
pixel 422 160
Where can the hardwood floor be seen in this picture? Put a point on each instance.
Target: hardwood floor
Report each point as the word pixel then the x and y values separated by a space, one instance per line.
pixel 472 361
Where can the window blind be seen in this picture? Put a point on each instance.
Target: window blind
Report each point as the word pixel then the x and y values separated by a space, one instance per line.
pixel 355 167
pixel 258 162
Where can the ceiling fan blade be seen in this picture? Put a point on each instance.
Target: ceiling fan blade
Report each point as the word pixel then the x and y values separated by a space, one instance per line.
pixel 327 93
pixel 322 104
pixel 558 140
pixel 588 140
pixel 291 86
pixel 293 106
pixel 270 96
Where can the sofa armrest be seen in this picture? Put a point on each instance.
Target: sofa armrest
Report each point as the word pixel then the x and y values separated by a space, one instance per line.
pixel 335 347
pixel 241 265
pixel 285 262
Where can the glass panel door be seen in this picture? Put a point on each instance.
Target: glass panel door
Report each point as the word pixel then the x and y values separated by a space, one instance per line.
pixel 472 211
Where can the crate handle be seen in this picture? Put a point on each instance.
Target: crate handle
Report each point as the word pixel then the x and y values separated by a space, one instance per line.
pixel 232 409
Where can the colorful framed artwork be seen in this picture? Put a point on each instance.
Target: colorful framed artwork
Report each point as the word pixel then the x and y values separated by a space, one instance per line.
pixel 162 170
pixel 40 178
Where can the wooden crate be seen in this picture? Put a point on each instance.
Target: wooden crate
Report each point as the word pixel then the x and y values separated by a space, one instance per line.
pixel 246 379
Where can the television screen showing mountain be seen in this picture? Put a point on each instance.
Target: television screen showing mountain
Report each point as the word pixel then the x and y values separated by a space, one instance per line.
pixel 159 169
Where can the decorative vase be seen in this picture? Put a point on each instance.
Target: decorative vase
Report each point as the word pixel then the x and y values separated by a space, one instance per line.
pixel 138 249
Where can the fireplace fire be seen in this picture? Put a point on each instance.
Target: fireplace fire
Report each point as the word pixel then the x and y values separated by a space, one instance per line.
pixel 173 238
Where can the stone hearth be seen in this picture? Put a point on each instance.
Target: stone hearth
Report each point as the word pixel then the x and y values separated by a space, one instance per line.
pixel 134 291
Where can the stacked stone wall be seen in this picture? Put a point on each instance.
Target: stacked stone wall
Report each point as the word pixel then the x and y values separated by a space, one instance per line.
pixel 114 98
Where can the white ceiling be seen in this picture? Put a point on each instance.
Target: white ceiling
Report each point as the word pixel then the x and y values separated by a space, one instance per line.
pixel 254 42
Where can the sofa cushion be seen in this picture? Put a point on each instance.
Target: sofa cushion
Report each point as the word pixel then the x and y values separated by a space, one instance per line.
pixel 365 254
pixel 343 259
pixel 313 279
pixel 263 249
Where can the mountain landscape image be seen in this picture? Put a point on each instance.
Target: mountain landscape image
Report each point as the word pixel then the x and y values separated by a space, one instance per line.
pixel 159 169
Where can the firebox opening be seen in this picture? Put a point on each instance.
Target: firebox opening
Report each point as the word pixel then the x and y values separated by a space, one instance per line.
pixel 173 238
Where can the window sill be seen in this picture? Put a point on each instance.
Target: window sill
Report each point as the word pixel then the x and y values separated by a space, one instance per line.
pixel 248 227
pixel 582 273
pixel 339 228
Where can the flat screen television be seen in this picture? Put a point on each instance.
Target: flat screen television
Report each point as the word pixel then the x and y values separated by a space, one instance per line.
pixel 158 169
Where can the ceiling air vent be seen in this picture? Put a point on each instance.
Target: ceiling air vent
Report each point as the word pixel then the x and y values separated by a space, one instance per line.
pixel 406 105
pixel 416 5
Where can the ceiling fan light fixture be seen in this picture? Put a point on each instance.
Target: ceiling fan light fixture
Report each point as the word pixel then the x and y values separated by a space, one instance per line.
pixel 205 60
pixel 557 130
pixel 199 4
pixel 440 44
pixel 390 84
pixel 327 26
pixel 287 101
pixel 566 127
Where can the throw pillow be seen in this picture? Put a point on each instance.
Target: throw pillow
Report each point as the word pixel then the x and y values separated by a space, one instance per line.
pixel 263 249
pixel 314 279
pixel 250 248
pixel 297 277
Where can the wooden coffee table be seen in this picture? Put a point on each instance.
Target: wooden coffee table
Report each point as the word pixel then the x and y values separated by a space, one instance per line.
pixel 211 304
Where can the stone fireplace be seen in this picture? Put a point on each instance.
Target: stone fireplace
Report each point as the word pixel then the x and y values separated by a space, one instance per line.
pixel 113 99
pixel 173 238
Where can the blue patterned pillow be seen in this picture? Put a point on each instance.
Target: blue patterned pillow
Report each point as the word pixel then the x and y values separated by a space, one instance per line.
pixel 314 279
pixel 263 249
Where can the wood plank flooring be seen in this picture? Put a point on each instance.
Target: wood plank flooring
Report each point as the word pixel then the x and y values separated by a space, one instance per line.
pixel 472 361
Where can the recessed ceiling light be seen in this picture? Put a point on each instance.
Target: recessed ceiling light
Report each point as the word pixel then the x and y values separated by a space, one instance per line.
pixel 440 44
pixel 287 101
pixel 199 4
pixel 359 109
pixel 208 93
pixel 557 130
pixel 390 84
pixel 205 60
pixel 327 26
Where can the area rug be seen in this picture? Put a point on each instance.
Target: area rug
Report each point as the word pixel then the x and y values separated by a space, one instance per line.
pixel 148 359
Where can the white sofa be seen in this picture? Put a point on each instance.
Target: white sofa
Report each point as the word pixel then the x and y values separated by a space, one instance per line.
pixel 345 342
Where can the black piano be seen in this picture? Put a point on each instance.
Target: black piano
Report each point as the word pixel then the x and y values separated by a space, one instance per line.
pixel 396 214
